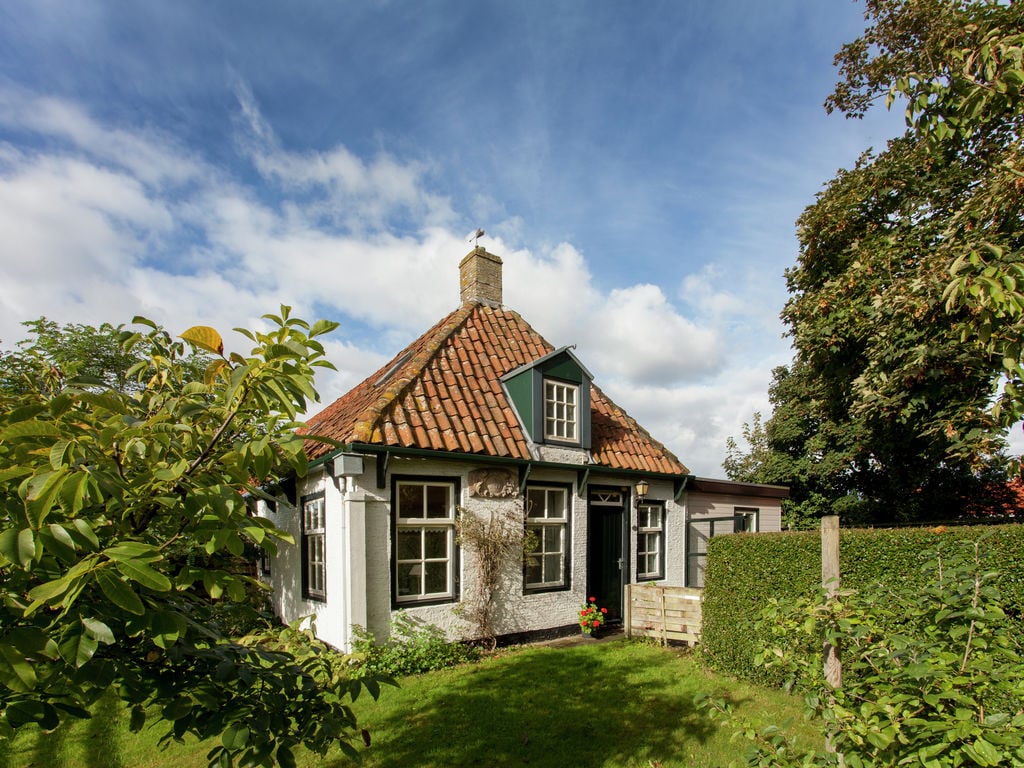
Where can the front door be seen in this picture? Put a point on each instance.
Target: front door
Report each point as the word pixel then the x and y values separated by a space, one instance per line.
pixel 607 555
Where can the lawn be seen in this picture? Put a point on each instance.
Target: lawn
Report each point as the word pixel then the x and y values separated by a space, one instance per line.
pixel 613 704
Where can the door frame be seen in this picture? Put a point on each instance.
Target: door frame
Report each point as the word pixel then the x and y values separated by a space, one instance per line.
pixel 596 570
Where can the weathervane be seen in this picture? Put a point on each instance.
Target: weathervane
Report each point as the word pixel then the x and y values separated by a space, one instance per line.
pixel 475 237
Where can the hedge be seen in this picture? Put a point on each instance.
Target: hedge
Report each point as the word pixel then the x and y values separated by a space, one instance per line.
pixel 745 569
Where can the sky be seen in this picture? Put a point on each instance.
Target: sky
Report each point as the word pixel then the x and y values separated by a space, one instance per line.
pixel 639 168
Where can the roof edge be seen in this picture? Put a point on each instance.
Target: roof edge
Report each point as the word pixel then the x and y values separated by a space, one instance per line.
pixel 377 448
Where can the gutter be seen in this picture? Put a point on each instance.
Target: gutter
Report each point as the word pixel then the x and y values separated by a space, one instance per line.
pixel 524 466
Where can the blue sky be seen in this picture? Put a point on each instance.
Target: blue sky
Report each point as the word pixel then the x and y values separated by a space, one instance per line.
pixel 638 166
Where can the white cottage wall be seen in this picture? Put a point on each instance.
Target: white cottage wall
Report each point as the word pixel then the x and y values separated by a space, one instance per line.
pixel 359 551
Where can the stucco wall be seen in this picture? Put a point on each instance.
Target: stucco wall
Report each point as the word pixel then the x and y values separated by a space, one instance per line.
pixel 359 550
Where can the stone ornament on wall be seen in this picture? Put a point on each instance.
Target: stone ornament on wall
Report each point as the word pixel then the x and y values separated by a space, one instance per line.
pixel 493 483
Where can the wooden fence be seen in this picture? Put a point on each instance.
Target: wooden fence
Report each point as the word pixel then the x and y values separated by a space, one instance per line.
pixel 665 613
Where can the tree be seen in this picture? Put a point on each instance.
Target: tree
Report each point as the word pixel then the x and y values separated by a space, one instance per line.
pixel 905 303
pixel 100 489
pixel 749 466
pixel 960 67
pixel 88 355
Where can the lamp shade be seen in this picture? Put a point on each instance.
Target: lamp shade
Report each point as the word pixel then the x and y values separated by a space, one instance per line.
pixel 642 487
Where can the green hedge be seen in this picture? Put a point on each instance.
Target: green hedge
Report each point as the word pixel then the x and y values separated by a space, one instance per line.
pixel 744 570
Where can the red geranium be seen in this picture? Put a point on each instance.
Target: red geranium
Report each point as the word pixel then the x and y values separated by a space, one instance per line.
pixel 591 617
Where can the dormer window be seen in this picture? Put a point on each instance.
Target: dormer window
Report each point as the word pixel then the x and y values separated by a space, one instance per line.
pixel 561 411
pixel 551 396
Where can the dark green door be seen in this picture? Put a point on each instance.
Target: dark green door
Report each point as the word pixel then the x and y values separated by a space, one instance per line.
pixel 607 557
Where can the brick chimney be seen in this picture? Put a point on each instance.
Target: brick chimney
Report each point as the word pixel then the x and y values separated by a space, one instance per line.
pixel 480 278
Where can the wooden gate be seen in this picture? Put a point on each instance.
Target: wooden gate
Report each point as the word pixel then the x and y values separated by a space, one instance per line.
pixel 662 612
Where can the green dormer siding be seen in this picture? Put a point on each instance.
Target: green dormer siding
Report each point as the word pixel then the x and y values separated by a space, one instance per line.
pixel 520 389
pixel 525 387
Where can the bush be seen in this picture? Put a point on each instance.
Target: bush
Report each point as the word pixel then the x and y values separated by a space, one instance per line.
pixel 745 570
pixel 413 648
pixel 947 689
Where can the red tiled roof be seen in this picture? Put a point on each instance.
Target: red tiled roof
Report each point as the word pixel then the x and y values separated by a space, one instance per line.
pixel 445 394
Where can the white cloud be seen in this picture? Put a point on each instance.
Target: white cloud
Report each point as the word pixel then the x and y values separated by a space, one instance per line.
pixel 150 157
pixel 89 237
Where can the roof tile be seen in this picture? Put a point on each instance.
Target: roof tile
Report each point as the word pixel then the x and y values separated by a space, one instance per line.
pixel 443 392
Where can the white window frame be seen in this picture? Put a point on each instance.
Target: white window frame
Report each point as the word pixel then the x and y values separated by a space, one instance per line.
pixel 561 411
pixel 744 515
pixel 314 547
pixel 407 523
pixel 541 526
pixel 645 532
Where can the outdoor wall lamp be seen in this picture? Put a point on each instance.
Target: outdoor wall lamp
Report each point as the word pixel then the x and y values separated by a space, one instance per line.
pixel 641 488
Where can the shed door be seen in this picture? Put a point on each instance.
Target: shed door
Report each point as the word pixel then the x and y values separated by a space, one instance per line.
pixel 607 553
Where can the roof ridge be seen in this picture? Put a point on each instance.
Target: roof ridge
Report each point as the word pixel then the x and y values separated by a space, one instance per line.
pixel 410 370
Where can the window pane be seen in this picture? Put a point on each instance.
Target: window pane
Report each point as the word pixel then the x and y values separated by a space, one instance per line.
pixel 533 573
pixel 553 538
pixel 552 568
pixel 435 543
pixel 409 578
pixel 410 500
pixel 437 501
pixel 408 546
pixel 437 578
pixel 556 504
pixel 535 503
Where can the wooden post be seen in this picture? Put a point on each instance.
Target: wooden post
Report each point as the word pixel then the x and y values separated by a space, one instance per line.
pixel 830 582
pixel 664 618
pixel 629 611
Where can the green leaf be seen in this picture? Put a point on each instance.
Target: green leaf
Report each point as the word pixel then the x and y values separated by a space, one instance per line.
pixel 21 677
pixel 78 649
pixel 56 541
pixel 86 533
pixel 26 547
pixel 119 592
pixel 139 572
pixel 24 711
pixel 133 550
pixel 321 327
pixel 73 492
pixel 177 708
pixel 18 547
pixel 285 758
pixel 235 737
pixel 98 630
pixel 33 428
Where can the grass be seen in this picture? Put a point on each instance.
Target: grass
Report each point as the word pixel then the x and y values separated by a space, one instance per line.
pixel 615 704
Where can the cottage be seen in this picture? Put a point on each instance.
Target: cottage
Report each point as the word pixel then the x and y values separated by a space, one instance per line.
pixel 481 416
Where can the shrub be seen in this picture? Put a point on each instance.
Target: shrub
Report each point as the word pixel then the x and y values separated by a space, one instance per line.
pixel 745 570
pixel 946 690
pixel 413 648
